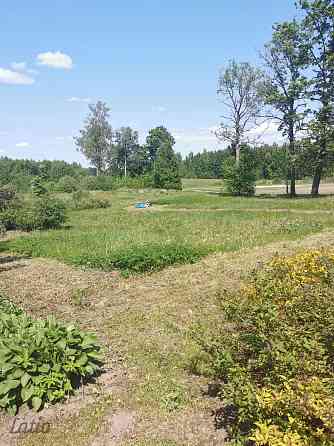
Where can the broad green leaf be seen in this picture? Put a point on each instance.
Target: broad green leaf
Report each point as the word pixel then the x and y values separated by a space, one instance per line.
pixel 27 393
pixel 36 403
pixel 82 360
pixel 25 379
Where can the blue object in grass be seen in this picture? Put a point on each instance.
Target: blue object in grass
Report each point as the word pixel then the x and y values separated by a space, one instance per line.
pixel 140 205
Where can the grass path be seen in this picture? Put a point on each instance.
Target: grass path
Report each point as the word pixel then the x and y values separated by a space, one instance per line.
pixel 147 397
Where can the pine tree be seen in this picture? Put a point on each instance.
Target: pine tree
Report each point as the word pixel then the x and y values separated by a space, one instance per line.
pixel 166 169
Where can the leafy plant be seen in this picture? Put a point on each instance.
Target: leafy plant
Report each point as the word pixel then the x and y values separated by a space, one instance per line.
pixel 38 187
pixel 40 213
pixel 67 184
pixel 42 360
pixel 139 259
pixel 274 353
pixel 239 179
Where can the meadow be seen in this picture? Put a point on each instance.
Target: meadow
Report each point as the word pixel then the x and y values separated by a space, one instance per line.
pixel 155 372
pixel 181 227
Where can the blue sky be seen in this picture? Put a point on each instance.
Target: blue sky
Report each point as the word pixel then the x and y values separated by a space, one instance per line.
pixel 153 62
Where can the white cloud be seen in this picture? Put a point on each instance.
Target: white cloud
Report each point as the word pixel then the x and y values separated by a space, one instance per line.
pixel 267 133
pixel 55 60
pixel 188 137
pixel 22 144
pixel 11 77
pixel 77 99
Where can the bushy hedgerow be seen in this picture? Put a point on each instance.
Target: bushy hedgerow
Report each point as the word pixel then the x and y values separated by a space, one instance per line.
pixel 40 213
pixel 67 184
pixel 108 182
pixel 273 354
pixel 41 361
pixel 85 200
pixel 140 259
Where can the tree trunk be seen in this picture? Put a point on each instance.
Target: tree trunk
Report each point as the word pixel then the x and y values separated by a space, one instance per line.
pixel 293 182
pixel 292 150
pixel 237 154
pixel 317 179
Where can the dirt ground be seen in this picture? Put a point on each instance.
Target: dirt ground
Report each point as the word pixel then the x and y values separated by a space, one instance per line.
pixel 146 395
pixel 280 189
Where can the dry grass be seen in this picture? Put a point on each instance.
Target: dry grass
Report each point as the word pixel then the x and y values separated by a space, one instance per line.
pixel 145 321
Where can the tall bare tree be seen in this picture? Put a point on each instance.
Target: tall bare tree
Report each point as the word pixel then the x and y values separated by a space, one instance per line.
pixel 240 91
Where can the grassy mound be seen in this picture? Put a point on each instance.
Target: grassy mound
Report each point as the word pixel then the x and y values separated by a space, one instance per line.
pixel 273 354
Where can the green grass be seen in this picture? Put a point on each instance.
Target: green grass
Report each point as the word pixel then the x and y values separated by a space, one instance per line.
pixel 196 200
pixel 116 238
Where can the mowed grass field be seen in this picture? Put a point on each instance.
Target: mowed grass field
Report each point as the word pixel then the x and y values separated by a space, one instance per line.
pixel 181 227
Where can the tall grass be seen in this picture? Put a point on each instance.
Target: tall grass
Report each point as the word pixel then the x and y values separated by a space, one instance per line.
pixel 115 238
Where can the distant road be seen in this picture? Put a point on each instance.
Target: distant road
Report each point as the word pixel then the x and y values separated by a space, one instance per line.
pixel 326 188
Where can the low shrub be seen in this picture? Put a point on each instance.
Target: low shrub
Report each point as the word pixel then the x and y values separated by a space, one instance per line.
pixel 239 179
pixel 8 197
pixel 108 182
pixel 274 354
pixel 41 360
pixel 138 182
pixel 67 184
pixel 140 259
pixel 84 200
pixel 40 213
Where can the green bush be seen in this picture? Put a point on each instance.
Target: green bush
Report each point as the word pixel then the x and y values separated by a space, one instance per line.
pixel 41 361
pixel 138 182
pixel 67 184
pixel 139 259
pixel 40 213
pixel 108 182
pixel 84 200
pixel 274 354
pixel 38 187
pixel 8 197
pixel 239 179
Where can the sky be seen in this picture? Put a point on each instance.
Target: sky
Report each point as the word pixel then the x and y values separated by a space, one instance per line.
pixel 153 62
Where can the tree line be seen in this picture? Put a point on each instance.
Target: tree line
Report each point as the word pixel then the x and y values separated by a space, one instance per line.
pixel 294 88
pixel 118 152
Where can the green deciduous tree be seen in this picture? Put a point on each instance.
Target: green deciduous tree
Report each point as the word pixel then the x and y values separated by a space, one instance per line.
pixel 95 140
pixel 318 39
pixel 156 138
pixel 286 89
pixel 166 170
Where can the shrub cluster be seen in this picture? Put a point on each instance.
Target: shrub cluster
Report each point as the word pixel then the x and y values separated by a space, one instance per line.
pixel 274 354
pixel 84 200
pixel 70 184
pixel 41 360
pixel 239 179
pixel 39 213
pixel 140 259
